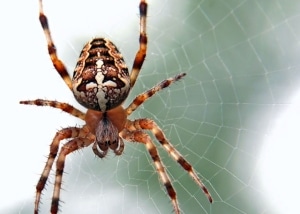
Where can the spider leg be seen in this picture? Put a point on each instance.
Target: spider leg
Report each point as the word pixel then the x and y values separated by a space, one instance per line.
pixel 57 63
pixel 141 53
pixel 141 98
pixel 142 137
pixel 69 147
pixel 147 124
pixel 60 135
pixel 55 104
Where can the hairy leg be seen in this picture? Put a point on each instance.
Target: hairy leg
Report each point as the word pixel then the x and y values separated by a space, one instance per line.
pixel 141 137
pixel 57 63
pixel 68 148
pixel 141 53
pixel 55 104
pixel 60 135
pixel 147 124
pixel 141 98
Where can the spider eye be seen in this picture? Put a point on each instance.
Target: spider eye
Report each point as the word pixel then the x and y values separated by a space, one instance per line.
pixel 101 79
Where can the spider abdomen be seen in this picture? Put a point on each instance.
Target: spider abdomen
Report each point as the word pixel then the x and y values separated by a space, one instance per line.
pixel 101 79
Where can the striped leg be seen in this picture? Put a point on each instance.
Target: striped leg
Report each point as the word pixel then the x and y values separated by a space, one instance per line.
pixel 68 148
pixel 57 63
pixel 60 135
pixel 147 124
pixel 55 104
pixel 141 98
pixel 141 137
pixel 141 53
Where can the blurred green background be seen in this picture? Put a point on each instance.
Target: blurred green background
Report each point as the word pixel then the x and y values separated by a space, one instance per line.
pixel 241 60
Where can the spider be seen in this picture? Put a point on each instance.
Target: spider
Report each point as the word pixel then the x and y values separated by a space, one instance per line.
pixel 101 83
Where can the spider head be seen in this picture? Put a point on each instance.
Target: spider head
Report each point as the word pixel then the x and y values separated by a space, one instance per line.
pixel 106 127
pixel 107 137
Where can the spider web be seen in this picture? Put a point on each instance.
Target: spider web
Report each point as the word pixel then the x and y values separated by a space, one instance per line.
pixel 234 116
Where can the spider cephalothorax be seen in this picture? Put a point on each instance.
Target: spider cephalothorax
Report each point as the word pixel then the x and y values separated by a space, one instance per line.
pixel 106 127
pixel 101 82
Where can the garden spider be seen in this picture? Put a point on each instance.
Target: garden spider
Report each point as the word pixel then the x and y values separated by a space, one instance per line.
pixel 101 83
